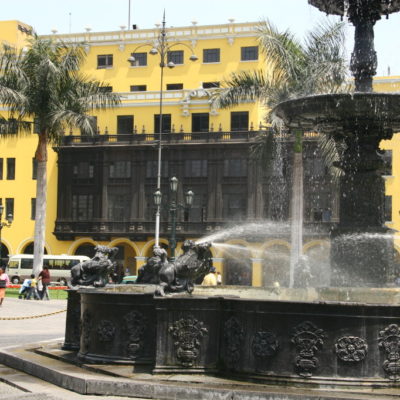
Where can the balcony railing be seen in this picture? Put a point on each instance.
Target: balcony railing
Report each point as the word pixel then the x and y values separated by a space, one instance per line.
pixel 150 138
pixel 175 137
pixel 105 230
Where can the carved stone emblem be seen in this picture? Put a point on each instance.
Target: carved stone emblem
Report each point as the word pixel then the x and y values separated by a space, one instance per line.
pixel 187 333
pixel 86 327
pixel 264 344
pixel 308 340
pixel 135 325
pixel 233 335
pixel 389 341
pixel 105 330
pixel 351 348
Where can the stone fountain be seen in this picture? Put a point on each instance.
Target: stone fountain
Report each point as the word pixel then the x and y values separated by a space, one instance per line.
pixel 344 340
pixel 357 122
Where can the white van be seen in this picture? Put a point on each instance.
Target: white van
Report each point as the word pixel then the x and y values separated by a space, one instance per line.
pixel 19 266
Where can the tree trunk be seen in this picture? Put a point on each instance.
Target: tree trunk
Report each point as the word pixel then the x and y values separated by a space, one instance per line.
pixel 41 202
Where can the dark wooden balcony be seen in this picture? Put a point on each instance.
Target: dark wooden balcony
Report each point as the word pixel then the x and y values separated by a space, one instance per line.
pixel 151 138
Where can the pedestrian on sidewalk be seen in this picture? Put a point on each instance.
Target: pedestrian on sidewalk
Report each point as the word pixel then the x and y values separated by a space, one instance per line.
pixel 4 282
pixel 44 277
pixel 24 289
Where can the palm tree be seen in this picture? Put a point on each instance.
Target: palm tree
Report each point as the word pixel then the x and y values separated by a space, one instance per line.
pixel 43 84
pixel 292 69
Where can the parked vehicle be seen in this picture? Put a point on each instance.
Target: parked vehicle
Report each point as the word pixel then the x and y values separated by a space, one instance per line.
pixel 19 266
pixel 129 279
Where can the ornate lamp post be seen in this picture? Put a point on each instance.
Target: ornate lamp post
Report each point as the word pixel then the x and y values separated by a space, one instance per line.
pixel 161 47
pixel 7 223
pixel 172 209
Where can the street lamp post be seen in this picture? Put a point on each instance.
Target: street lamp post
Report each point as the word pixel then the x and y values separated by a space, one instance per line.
pixel 161 47
pixel 173 208
pixel 7 223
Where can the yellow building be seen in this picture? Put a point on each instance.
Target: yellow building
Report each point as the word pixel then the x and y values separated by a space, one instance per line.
pixel 192 125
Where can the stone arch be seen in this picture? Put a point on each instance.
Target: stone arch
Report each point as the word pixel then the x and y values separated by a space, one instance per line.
pixel 276 262
pixel 237 263
pixel 27 248
pixel 317 256
pixel 147 250
pixel 126 256
pixel 5 252
pixel 80 242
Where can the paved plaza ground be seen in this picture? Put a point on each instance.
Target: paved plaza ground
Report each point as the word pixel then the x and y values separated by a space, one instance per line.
pixel 32 321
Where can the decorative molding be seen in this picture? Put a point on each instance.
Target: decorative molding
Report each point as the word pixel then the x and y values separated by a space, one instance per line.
pixel 121 47
pixel 233 335
pixel 187 333
pixel 308 339
pixel 389 341
pixel 135 323
pixel 264 344
pixel 105 330
pixel 351 349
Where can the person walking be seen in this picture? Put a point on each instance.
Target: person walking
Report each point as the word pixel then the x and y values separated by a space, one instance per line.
pixel 44 278
pixel 219 278
pixel 4 282
pixel 210 279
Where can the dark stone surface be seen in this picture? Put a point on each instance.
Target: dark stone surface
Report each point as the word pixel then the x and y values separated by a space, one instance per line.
pixel 73 321
pixel 249 339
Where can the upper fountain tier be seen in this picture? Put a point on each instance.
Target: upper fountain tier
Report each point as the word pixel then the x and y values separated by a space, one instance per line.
pixel 340 7
pixel 341 115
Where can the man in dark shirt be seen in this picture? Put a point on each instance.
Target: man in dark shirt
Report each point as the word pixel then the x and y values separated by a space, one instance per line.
pixel 44 276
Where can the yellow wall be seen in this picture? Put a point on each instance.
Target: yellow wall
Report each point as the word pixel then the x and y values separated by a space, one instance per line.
pixel 143 105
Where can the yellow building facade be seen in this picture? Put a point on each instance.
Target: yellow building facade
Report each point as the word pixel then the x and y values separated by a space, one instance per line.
pixel 221 49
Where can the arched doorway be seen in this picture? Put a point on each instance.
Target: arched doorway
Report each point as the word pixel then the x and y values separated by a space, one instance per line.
pixel 29 249
pixel 126 259
pixel 276 265
pixel 85 249
pixel 237 266
pixel 4 255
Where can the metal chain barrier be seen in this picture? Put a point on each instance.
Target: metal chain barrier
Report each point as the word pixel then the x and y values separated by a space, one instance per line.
pixel 33 316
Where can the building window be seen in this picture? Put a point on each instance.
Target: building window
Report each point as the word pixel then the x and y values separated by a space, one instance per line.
pixel 106 89
pixel 200 122
pixel 140 59
pixel 211 55
pixel 12 125
pixel 1 168
pixel 240 121
pixel 138 88
pixel 124 124
pixel 388 208
pixel 118 206
pixel 210 85
pixel 174 86
pixel 104 61
pixel 234 205
pixel 10 168
pixel 166 123
pixel 175 56
pixel 249 53
pixel 82 207
pixel 10 207
pixel 120 169
pixel 235 167
pixel 34 168
pixel 195 168
pixel 152 168
pixel 33 209
pixel 83 170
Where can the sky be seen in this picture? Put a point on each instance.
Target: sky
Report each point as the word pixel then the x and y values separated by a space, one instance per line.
pixel 108 15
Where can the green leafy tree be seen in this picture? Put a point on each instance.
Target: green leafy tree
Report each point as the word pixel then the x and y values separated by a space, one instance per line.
pixel 42 86
pixel 291 69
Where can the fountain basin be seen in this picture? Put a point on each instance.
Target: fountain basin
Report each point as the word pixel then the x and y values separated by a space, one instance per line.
pixel 321 336
pixel 376 114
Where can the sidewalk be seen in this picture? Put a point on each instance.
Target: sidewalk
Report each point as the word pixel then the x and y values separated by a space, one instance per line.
pixel 32 321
